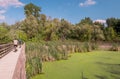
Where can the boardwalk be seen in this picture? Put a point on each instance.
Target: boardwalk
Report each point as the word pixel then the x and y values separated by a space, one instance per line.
pixel 8 64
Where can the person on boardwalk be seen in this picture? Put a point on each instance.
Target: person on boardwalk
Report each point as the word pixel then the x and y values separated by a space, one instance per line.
pixel 20 42
pixel 15 41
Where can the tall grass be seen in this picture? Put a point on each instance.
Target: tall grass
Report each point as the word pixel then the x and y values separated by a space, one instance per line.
pixel 39 52
pixel 115 47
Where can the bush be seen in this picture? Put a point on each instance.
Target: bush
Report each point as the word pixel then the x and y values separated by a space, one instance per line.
pixel 4 37
pixel 33 67
pixel 87 47
pixel 114 47
pixel 94 46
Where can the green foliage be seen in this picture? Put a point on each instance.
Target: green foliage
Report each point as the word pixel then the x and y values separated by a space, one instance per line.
pixel 30 26
pixel 86 32
pixel 86 20
pixel 38 52
pixel 115 47
pixel 22 35
pixel 64 29
pixel 43 20
pixel 4 37
pixel 97 33
pixel 109 34
pixel 115 24
pixel 33 67
pixel 87 47
pixel 31 9
pixel 54 52
pixel 94 46
pixel 111 22
pixel 54 36
pixel 38 26
pixel 54 29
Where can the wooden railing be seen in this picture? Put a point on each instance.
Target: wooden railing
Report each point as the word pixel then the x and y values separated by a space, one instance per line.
pixel 5 49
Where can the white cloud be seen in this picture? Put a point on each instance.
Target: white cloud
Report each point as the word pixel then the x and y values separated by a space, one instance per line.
pixel 100 21
pixel 2 17
pixel 2 11
pixel 87 3
pixel 6 3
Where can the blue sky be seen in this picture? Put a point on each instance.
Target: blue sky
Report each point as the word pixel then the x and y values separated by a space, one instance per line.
pixel 12 11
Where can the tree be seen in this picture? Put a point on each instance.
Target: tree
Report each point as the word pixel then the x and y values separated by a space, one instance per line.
pixel 31 9
pixel 115 24
pixel 85 32
pixel 117 27
pixel 4 38
pixel 109 33
pixel 50 32
pixel 21 35
pixel 30 26
pixel 87 20
pixel 111 22
pixel 56 22
pixel 64 29
pixel 5 25
pixel 51 29
pixel 43 19
pixel 97 33
pixel 85 29
pixel 101 25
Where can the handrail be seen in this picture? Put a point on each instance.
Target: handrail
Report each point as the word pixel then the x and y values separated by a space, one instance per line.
pixel 5 49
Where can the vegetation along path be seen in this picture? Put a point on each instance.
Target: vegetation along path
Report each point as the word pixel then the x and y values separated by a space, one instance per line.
pixel 93 65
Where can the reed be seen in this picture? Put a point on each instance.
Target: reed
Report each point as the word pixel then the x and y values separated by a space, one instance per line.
pixel 39 52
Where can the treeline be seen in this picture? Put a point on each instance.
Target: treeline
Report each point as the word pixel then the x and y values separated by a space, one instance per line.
pixel 37 26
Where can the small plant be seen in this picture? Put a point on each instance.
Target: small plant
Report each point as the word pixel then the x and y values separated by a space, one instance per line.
pixel 94 46
pixel 87 47
pixel 114 47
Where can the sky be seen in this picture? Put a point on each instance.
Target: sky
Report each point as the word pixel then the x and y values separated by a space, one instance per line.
pixel 12 11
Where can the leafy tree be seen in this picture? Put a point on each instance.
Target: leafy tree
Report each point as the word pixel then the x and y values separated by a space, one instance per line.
pixel 111 22
pixel 64 29
pixel 48 31
pixel 117 27
pixel 102 26
pixel 22 35
pixel 31 9
pixel 115 24
pixel 43 19
pixel 75 32
pixel 52 29
pixel 97 33
pixel 109 33
pixel 86 20
pixel 56 22
pixel 85 34
pixel 5 25
pixel 4 38
pixel 30 26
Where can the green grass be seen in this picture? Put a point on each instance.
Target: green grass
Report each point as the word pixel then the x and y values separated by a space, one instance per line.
pixel 93 65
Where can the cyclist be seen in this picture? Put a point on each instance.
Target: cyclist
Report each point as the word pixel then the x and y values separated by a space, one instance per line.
pixel 15 41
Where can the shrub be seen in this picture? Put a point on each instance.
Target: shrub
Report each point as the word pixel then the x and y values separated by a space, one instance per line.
pixel 94 46
pixel 86 47
pixel 114 47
